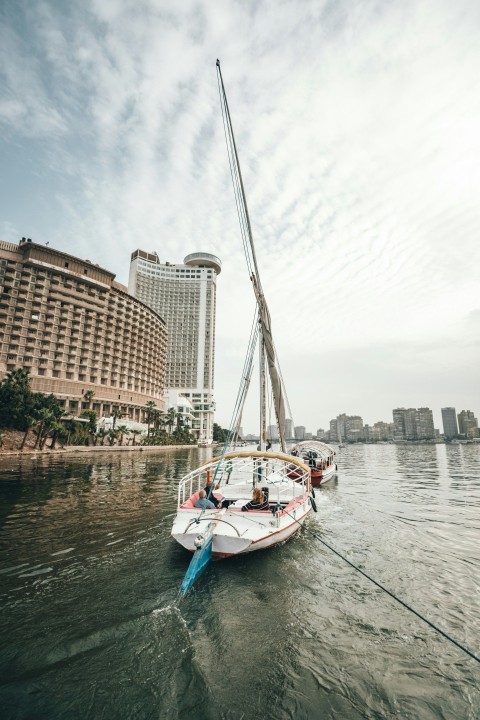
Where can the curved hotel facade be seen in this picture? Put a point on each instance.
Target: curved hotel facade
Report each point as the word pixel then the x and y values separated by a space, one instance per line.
pixel 77 330
pixel 185 295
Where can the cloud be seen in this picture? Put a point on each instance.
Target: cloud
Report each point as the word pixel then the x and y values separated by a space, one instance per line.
pixel 357 127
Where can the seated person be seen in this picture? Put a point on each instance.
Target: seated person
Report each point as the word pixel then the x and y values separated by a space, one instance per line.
pixel 203 503
pixel 259 500
pixel 210 495
pixel 218 503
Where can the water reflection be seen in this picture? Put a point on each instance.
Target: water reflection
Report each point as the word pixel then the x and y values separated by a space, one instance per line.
pixel 90 576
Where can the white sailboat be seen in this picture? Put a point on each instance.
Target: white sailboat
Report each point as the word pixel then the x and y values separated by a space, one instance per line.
pixel 232 528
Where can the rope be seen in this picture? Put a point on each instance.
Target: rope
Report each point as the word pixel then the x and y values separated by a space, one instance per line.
pixel 392 595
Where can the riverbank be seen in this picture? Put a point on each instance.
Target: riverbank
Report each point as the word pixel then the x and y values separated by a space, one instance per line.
pixel 13 439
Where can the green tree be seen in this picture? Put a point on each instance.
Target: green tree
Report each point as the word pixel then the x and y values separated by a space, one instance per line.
pixel 30 422
pixel 122 430
pixel 15 399
pixel 88 397
pixel 116 414
pixel 170 419
pixel 220 435
pixel 150 415
pixel 56 428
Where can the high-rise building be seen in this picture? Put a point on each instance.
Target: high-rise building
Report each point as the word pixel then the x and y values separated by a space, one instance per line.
pixel 78 331
pixel 467 424
pixel 424 429
pixel 354 428
pixel 333 431
pixel 404 424
pixel 185 296
pixel 449 418
pixel 413 424
pixel 300 432
pixel 289 431
pixel 272 432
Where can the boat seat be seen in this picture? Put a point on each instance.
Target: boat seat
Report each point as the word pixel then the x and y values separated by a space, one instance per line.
pixel 191 500
pixel 188 504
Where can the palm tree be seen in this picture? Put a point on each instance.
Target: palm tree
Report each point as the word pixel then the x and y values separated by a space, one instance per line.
pixel 88 397
pixel 102 433
pixel 150 414
pixel 170 418
pixel 45 417
pixel 56 428
pixel 122 430
pixel 30 422
pixel 116 414
pixel 70 427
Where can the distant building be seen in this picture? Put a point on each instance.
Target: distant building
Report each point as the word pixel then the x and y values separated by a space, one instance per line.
pixel 449 419
pixel 424 428
pixel 333 431
pixel 308 436
pixel 404 424
pixel 468 424
pixel 346 427
pixel 380 432
pixel 354 428
pixel 321 434
pixel 413 424
pixel 300 432
pixel 289 430
pixel 272 432
pixel 185 296
pixel 183 408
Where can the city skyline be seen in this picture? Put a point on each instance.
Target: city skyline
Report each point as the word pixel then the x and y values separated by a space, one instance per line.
pixel 313 430
pixel 357 135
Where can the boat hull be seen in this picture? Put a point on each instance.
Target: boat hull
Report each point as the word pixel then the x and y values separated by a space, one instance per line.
pixel 238 535
pixel 323 476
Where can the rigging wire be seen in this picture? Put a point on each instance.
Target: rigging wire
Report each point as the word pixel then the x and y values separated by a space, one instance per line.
pixel 227 120
pixel 391 594
pixel 236 181
pixel 242 208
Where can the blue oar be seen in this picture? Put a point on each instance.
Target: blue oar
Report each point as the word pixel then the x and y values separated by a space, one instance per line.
pixel 200 560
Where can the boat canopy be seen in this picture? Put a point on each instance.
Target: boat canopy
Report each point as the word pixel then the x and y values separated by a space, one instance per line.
pixel 321 449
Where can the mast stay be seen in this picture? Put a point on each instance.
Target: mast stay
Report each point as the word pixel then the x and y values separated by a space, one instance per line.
pixel 249 249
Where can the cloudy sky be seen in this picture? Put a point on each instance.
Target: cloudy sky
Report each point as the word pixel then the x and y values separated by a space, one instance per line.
pixel 358 128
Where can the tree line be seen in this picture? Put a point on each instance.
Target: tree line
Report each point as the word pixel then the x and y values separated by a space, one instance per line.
pixel 24 410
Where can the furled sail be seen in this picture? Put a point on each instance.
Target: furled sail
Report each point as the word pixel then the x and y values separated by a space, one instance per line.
pixel 249 247
pixel 275 380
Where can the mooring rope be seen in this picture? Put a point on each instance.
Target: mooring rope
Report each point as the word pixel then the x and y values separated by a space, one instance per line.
pixel 392 594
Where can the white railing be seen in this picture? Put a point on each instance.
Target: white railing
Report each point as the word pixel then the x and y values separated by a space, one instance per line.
pixel 248 470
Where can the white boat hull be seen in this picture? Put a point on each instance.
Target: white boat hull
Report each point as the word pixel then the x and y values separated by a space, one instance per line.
pixel 237 533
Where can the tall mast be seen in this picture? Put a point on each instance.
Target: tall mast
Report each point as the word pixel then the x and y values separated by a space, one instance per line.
pixel 249 248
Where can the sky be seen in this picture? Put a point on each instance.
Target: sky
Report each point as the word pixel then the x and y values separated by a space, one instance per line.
pixel 357 125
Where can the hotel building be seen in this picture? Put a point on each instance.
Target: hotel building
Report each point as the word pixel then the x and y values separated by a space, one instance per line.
pixel 185 295
pixel 77 330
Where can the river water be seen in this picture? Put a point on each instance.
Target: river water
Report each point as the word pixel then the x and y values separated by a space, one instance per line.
pixel 89 578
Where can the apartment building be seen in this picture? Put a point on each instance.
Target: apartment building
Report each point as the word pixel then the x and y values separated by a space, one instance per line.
pixel 449 419
pixel 185 295
pixel 468 424
pixel 299 431
pixel 77 330
pixel 413 424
